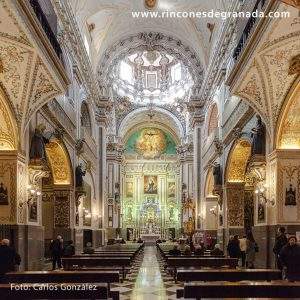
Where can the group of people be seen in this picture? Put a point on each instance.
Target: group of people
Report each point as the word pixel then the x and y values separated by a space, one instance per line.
pixel 58 250
pixel 287 254
pixel 189 247
pixel 243 248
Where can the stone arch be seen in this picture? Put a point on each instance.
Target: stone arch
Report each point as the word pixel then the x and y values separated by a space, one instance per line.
pixel 60 163
pixel 209 184
pixel 139 117
pixel 210 205
pixel 212 123
pixel 8 129
pixel 85 118
pixel 288 125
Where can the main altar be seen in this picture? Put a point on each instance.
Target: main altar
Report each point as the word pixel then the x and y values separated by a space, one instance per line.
pixel 151 202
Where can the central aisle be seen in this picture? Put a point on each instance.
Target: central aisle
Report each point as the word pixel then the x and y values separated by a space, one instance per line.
pixel 149 283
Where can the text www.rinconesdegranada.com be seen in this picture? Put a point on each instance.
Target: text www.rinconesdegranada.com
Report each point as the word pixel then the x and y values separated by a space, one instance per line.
pixel 207 14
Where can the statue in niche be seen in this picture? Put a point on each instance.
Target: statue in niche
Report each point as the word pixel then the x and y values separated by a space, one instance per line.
pixel 3 195
pixel 290 196
pixel 217 175
pixel 79 174
pixel 37 153
pixel 258 145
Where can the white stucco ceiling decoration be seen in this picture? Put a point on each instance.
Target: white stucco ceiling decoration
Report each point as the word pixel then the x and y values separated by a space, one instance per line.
pixel 146 41
pixel 265 81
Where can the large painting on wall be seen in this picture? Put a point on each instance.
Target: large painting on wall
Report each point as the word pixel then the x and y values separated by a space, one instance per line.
pixel 129 189
pixel 171 189
pixel 150 184
pixel 150 143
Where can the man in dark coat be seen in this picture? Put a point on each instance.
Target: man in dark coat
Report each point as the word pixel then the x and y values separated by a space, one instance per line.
pixel 56 249
pixel 8 258
pixel 233 247
pixel 290 259
pixel 280 242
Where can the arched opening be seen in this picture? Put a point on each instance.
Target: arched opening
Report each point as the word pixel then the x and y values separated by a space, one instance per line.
pixel 288 134
pixel 56 191
pixel 211 203
pixel 85 118
pixel 239 188
pixel 8 130
pixel 213 120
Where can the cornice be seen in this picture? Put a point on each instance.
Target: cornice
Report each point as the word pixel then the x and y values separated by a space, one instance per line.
pixel 71 36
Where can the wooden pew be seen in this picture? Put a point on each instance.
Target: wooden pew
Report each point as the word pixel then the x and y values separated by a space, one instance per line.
pixel 200 262
pixel 71 263
pixel 53 291
pixel 229 275
pixel 245 289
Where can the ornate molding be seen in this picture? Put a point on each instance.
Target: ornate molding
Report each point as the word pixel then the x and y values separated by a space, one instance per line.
pixel 294 67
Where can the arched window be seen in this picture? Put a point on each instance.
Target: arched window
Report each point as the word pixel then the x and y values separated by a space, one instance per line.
pixel 213 120
pixel 86 118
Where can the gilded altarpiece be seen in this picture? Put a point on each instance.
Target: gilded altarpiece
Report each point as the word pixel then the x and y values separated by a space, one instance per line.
pixel 235 204
pixel 10 165
pixel 151 201
pixel 150 194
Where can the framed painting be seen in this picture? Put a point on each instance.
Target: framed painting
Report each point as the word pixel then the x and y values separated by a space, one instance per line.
pixel 150 184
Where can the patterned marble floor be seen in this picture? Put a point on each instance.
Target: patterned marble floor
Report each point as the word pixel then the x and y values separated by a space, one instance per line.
pixel 147 280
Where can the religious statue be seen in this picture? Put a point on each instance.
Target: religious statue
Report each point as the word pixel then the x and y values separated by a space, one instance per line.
pixel 217 175
pixel 290 196
pixel 37 153
pixel 79 173
pixel 3 195
pixel 258 145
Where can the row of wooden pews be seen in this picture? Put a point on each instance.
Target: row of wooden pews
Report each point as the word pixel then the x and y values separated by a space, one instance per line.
pixel 219 277
pixel 174 263
pixel 85 276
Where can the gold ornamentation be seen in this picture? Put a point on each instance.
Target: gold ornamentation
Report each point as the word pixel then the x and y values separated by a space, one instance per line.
pixel 235 204
pixel 289 133
pixel 8 138
pixel 238 162
pixel 59 163
pixel 151 143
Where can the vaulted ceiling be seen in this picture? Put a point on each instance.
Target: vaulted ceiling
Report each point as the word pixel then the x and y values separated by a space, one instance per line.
pixel 112 21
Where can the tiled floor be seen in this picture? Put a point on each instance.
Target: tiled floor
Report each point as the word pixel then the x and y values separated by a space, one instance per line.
pixel 147 280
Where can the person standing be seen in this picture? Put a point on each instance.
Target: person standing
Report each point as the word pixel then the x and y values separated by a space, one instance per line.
pixel 56 249
pixel 9 258
pixel 250 250
pixel 233 247
pixel 280 241
pixel 290 259
pixel 243 247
